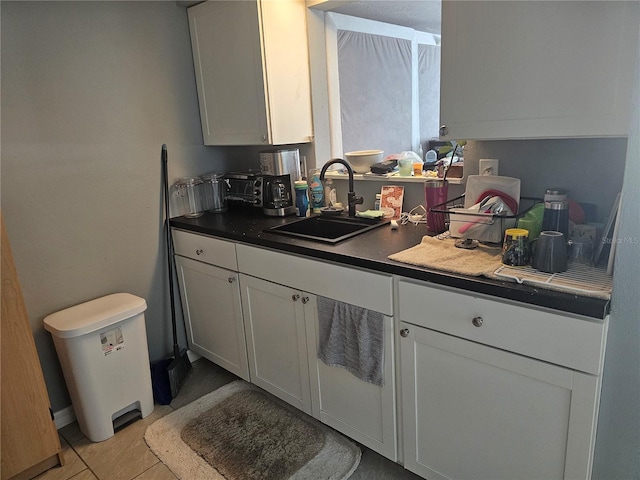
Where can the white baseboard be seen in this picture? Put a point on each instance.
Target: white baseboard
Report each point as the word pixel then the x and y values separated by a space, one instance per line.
pixel 64 417
pixel 192 356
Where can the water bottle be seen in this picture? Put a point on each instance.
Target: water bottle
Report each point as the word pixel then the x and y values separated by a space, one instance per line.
pixel 302 201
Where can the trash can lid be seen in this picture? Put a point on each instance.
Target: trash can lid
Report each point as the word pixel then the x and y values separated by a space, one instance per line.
pixel 94 315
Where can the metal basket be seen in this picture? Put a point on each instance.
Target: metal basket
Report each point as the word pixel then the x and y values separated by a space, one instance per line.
pixel 484 227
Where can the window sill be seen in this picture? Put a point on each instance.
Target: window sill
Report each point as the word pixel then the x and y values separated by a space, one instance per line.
pixel 395 178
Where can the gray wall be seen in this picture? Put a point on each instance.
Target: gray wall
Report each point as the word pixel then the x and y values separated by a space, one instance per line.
pixel 90 92
pixel 618 441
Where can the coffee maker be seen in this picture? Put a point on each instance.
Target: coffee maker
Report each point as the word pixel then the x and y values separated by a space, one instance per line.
pixel 277 196
pixel 281 162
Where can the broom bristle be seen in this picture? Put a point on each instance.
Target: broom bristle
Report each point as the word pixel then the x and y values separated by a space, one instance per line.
pixel 179 369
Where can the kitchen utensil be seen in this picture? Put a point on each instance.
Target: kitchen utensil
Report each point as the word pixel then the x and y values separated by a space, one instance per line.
pixel 180 366
pixel 278 201
pixel 282 162
pixel 405 167
pixel 515 248
pixel 489 205
pixel 190 191
pixel 555 195
pixel 550 252
pixel 215 192
pixel 435 192
pixel 556 216
pixel 581 251
pixel 362 160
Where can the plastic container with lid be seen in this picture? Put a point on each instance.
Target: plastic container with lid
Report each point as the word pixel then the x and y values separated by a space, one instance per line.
pixel 302 200
pixel 515 248
pixel 215 192
pixel 190 192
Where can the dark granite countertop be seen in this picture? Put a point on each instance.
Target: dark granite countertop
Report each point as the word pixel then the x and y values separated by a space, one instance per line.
pixel 371 249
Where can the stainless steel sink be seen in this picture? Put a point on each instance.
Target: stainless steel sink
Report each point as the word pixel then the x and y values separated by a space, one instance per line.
pixel 328 229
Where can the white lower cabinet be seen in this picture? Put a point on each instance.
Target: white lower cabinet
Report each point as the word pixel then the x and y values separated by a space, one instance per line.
pixel 281 327
pixel 360 410
pixel 490 389
pixel 473 411
pixel 274 318
pixel 211 300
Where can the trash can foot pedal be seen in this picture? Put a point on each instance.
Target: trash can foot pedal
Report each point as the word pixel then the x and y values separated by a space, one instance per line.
pixel 126 419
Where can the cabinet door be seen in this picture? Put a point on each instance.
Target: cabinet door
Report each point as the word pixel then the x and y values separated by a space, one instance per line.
pixel 225 40
pixel 213 314
pixel 361 410
pixel 30 441
pixel 276 340
pixel 475 412
pixel 537 69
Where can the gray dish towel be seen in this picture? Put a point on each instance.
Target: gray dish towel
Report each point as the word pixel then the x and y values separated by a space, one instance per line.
pixel 351 337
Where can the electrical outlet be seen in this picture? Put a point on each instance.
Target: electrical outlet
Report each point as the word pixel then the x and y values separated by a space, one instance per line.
pixel 489 166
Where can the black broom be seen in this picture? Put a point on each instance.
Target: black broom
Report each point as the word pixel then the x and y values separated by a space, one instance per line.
pixel 180 366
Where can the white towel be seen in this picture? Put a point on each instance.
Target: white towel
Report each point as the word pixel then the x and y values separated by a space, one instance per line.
pixel 351 337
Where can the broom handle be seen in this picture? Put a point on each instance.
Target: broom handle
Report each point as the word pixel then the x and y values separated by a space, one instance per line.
pixel 165 174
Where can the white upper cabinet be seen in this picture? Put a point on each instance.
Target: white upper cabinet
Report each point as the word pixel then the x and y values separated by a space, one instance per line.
pixel 537 69
pixel 252 71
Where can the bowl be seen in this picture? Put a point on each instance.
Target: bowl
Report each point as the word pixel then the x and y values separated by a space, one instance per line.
pixel 361 160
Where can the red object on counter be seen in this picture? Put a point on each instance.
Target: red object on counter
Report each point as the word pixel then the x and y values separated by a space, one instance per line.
pixel 576 213
pixel 511 202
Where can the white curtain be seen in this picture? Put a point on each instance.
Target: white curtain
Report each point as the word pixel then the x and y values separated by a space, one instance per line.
pixel 429 88
pixel 375 92
pixel 375 76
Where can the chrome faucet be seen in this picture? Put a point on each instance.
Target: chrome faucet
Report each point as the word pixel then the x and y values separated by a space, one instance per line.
pixel 352 200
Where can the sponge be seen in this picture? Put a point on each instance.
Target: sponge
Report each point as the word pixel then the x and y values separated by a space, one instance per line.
pixel 370 214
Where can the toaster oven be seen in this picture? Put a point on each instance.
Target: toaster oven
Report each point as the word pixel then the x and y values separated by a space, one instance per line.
pixel 245 188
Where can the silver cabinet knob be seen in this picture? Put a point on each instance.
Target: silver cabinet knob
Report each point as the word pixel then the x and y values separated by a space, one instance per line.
pixel 264 138
pixel 404 332
pixel 295 297
pixel 444 130
pixel 231 279
pixel 199 252
pixel 477 321
pixel 305 300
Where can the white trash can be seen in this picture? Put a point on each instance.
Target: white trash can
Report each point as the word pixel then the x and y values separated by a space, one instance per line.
pixel 102 347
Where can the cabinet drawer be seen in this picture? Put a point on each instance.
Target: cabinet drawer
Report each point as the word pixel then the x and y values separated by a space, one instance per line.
pixel 351 285
pixel 205 249
pixel 574 342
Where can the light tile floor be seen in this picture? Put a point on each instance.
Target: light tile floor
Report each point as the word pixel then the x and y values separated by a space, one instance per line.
pixel 126 456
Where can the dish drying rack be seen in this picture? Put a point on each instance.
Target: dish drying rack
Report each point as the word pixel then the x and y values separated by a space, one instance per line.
pixel 579 278
pixel 495 224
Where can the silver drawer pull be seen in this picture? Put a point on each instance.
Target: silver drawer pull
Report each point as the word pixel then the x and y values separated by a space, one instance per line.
pixel 199 252
pixel 305 300
pixel 231 279
pixel 477 321
pixel 404 332
pixel 295 297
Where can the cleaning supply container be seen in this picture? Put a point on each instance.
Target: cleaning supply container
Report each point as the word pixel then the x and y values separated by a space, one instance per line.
pixel 102 347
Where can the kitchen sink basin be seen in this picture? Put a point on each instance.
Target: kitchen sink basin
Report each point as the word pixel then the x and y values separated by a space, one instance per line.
pixel 329 229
